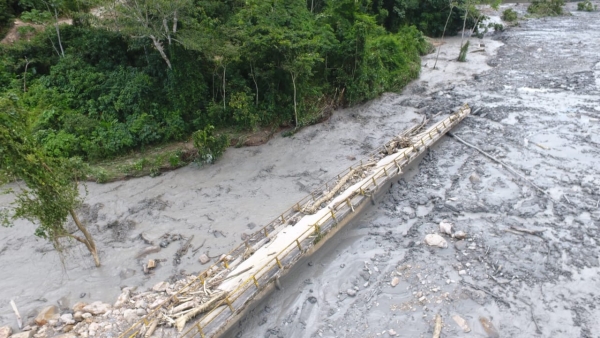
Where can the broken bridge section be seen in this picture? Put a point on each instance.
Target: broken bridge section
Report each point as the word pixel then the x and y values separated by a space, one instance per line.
pixel 207 304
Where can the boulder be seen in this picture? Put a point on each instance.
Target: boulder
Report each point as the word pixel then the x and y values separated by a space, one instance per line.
pixel 436 240
pixel 203 259
pixel 26 334
pixel 47 313
pixel 123 299
pixel 160 287
pixel 460 235
pixel 130 315
pixel 446 227
pixel 67 319
pixel 93 328
pixel 96 308
pixel 78 316
pixel 5 331
pixel 79 306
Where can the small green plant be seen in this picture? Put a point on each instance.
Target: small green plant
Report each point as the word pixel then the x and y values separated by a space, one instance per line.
pixel 498 27
pixel 546 7
pixel 100 174
pixel 25 30
pixel 37 17
pixel 175 159
pixel 586 6
pixel 462 56
pixel 509 15
pixel 210 147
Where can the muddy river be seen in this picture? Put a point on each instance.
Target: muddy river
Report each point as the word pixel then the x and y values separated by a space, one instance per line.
pixel 535 92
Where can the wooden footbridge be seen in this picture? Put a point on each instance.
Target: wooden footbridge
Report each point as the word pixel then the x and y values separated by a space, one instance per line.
pixel 212 301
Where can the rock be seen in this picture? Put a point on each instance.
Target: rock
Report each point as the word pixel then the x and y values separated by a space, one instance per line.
pixel 446 227
pixel 489 328
pixel 391 332
pixel 141 304
pixel 160 287
pixel 436 240
pixel 395 281
pixel 5 331
pixel 462 272
pixel 66 335
pixel 79 306
pixel 86 315
pixel 461 323
pixel 474 178
pixel 92 329
pixel 203 259
pixel 140 312
pixel 47 313
pixel 130 315
pixel 123 299
pixel 67 318
pixel 67 328
pixel 460 245
pixel 151 264
pixel 351 292
pixel 97 308
pixel 78 316
pixel 460 235
pixel 26 334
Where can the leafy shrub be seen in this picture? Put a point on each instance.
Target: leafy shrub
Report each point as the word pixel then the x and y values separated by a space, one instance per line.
pixel 546 7
pixel 243 110
pixel 25 30
pixel 509 15
pixel 37 17
pixel 498 27
pixel 586 6
pixel 210 147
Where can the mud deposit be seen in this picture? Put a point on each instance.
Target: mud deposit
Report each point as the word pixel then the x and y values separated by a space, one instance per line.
pixel 528 266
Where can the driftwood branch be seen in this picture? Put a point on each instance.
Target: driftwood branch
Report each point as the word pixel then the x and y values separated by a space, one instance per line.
pixel 209 305
pixel 506 166
pixel 14 307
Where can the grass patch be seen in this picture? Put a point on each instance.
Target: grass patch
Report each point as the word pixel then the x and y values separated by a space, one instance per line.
pixel 151 162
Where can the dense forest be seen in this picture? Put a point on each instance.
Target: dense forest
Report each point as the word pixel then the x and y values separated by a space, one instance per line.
pixel 122 75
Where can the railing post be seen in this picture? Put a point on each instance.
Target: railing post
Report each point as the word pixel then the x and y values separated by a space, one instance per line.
pixel 229 304
pixel 200 329
pixel 350 204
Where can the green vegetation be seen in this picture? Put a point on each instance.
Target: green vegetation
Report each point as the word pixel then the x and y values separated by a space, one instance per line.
pixel 210 147
pixel 509 15
pixel 462 56
pixel 586 6
pixel 149 72
pixel 546 7
pixel 50 192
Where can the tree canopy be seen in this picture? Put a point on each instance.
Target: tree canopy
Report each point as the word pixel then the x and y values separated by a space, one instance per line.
pixel 128 74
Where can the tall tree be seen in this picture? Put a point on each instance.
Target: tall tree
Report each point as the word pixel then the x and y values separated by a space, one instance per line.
pixel 50 193
pixel 156 20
